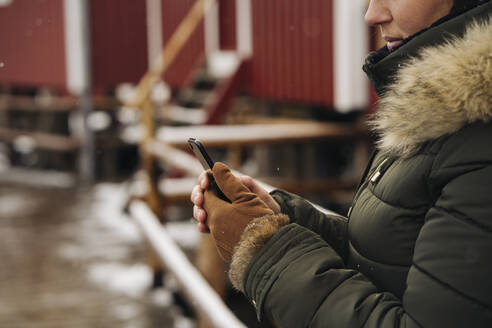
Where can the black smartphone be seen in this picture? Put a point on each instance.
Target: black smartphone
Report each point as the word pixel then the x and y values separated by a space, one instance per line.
pixel 207 163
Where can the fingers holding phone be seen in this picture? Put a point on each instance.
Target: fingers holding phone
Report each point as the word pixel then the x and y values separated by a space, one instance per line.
pixel 199 213
pixel 201 216
pixel 206 181
pixel 203 183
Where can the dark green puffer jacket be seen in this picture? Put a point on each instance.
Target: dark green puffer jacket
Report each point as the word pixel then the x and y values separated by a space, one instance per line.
pixel 416 250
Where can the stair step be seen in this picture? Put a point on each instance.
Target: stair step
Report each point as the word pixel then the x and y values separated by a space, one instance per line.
pixel 205 83
pixel 194 98
pixel 179 114
pixel 204 80
pixel 222 64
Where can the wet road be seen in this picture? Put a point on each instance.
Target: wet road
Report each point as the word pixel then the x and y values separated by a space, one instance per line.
pixel 69 258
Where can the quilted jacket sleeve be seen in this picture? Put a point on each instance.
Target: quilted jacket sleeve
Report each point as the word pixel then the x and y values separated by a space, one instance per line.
pixel 298 280
pixel 332 228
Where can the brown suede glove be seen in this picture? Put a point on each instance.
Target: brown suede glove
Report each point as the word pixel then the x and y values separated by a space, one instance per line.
pixel 228 220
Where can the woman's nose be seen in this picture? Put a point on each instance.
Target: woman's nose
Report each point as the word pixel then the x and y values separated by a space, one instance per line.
pixel 377 13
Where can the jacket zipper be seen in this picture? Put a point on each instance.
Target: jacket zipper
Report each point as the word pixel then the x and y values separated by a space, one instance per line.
pixel 374 178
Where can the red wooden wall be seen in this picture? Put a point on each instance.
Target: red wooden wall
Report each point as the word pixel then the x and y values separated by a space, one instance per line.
pixel 227 24
pixel 293 51
pixel 118 42
pixel 173 13
pixel 292 45
pixel 32 46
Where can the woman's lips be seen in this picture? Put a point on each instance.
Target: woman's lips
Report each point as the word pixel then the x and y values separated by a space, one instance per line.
pixel 392 43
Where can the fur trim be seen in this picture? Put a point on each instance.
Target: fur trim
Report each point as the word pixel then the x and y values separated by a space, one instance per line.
pixel 257 233
pixel 445 88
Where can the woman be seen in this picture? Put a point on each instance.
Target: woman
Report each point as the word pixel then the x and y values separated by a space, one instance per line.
pixel 416 250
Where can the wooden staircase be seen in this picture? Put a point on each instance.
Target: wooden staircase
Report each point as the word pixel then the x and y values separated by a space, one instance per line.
pixel 207 93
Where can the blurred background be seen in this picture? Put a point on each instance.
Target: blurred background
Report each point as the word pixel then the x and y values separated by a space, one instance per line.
pixel 97 101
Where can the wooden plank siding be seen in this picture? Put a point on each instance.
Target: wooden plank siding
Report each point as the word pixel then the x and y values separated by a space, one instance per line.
pixel 293 51
pixel 172 14
pixel 32 49
pixel 292 58
pixel 227 25
pixel 118 42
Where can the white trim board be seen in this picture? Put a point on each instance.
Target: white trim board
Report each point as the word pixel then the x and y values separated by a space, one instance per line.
pixel 76 45
pixel 244 28
pixel 212 29
pixel 351 45
pixel 154 32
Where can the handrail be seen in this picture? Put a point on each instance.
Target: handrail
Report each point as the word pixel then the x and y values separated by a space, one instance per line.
pixel 254 134
pixel 196 289
pixel 142 98
pixel 170 51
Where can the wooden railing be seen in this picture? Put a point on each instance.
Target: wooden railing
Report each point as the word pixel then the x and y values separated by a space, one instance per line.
pixel 142 99
pixel 188 164
pixel 179 38
pixel 199 293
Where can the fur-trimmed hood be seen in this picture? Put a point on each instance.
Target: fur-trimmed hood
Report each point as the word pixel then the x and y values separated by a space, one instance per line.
pixel 438 92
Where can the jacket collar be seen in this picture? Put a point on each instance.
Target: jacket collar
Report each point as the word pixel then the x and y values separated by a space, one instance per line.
pixel 381 66
pixel 435 83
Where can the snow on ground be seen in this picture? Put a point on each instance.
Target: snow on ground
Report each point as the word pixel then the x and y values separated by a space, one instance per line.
pixel 12 204
pixel 108 236
pixel 130 280
pixel 80 261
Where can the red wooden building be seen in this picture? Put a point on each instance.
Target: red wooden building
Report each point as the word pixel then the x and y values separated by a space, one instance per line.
pixel 299 51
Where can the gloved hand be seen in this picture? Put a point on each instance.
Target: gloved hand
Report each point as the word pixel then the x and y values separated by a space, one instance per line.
pixel 228 220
